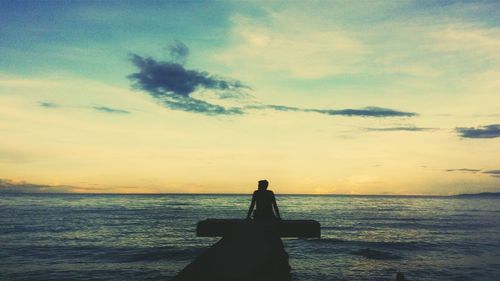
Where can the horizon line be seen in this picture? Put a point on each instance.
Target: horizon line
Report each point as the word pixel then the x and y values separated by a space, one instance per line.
pixel 248 194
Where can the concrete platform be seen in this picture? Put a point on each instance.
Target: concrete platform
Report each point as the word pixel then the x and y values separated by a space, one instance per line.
pixel 249 250
pixel 280 228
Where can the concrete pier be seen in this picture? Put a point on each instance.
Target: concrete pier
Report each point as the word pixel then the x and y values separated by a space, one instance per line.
pixel 281 228
pixel 249 250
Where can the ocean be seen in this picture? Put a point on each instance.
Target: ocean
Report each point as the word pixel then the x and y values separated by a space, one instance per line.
pixel 152 237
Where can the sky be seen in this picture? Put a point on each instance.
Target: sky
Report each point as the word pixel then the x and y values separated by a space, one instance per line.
pixel 318 97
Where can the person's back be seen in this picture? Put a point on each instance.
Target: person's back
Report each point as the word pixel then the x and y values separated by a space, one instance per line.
pixel 265 203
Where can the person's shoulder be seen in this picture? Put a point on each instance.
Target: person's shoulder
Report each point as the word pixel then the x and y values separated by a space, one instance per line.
pixel 270 191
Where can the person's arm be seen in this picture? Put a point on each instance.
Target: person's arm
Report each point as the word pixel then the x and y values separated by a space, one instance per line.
pixel 251 206
pixel 275 206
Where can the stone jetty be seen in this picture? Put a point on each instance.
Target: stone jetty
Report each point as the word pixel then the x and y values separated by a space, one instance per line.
pixel 249 250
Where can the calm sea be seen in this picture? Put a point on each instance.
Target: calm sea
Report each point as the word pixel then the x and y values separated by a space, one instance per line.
pixel 151 237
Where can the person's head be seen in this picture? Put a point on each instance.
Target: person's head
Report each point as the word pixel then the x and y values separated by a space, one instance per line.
pixel 263 184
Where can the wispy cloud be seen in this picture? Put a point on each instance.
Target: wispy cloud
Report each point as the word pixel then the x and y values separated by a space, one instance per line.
pixel 464 170
pixel 178 51
pixel 48 104
pixel 493 173
pixel 110 110
pixel 363 112
pixel 469 39
pixel 9 186
pixel 285 45
pixel 371 111
pixel 100 108
pixel 481 132
pixel 401 128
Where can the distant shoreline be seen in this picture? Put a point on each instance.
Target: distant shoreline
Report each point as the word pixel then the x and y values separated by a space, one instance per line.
pixel 479 195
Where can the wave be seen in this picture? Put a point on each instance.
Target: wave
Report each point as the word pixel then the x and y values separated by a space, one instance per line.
pixel 165 253
pixel 108 254
pixel 346 228
pixel 367 249
pixel 375 254
pixel 325 240
pixel 399 245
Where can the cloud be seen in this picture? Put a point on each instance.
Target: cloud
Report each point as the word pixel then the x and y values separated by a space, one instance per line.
pixel 481 132
pixel 363 112
pixel 401 128
pixel 175 86
pixel 9 186
pixel 172 84
pixel 294 43
pixel 178 51
pixel 199 106
pixel 106 109
pixel 493 173
pixel 468 39
pixel 162 78
pixel 464 170
pixel 110 110
pixel 47 104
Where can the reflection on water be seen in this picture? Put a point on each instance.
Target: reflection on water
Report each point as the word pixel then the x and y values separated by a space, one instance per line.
pixel 151 237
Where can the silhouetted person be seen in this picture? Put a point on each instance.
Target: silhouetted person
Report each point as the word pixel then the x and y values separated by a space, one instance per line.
pixel 266 203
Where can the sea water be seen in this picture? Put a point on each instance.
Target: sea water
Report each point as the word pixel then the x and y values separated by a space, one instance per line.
pixel 152 237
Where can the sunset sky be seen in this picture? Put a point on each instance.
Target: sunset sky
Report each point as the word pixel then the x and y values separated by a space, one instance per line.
pixel 323 97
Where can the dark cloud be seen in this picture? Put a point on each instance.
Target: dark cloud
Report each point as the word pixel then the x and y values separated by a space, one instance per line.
pixel 162 78
pixel 8 186
pixel 493 173
pixel 481 132
pixel 178 51
pixel 366 112
pixel 198 106
pixel 172 85
pixel 464 170
pixel 363 112
pixel 401 128
pixel 48 104
pixel 110 110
